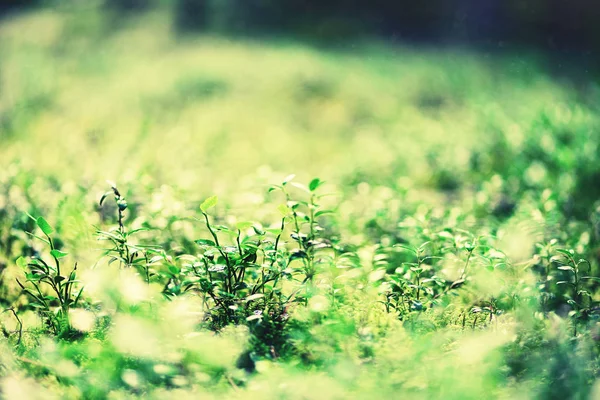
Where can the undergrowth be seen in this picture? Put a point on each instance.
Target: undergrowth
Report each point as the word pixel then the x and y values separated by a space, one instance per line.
pixel 449 249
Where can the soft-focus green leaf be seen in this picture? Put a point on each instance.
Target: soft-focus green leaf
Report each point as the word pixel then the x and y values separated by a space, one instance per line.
pixel 314 184
pixel 58 254
pixel 44 226
pixel 209 203
pixel 288 179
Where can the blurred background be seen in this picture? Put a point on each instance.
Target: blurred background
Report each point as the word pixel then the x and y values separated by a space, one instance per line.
pixel 478 117
pixel 549 24
pixel 210 96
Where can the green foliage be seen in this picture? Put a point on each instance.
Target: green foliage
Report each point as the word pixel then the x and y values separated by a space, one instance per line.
pixel 128 255
pixel 448 249
pixel 42 277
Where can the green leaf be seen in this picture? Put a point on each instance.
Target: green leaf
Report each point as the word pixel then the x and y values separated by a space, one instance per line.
pixel 104 196
pixel 402 247
pixel 44 226
pixel 77 297
pixel 298 254
pixel 22 262
pixel 35 296
pixel 34 277
pixel 288 178
pixel 110 236
pixel 30 216
pixel 445 235
pixel 424 245
pixel 591 278
pixel 254 297
pixel 205 242
pixel 314 184
pixel 566 268
pixel 300 186
pixel 223 228
pixel 284 210
pixel 209 203
pixel 568 253
pixel 58 279
pixel 242 226
pixel 38 237
pixel 58 254
pixel 323 212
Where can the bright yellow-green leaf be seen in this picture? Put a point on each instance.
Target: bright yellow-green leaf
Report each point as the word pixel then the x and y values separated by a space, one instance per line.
pixel 209 203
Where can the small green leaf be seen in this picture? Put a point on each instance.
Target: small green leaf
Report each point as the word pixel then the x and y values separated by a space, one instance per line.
pixel 591 278
pixel 30 216
pixel 445 235
pixel 284 210
pixel 22 262
pixel 300 186
pixel 205 242
pixel 38 237
pixel 77 297
pixel 58 254
pixel 314 184
pixel 273 231
pixel 223 228
pixel 568 253
pixel 298 254
pixel 209 203
pixel 288 178
pixel 58 279
pixel 254 297
pixel 104 196
pixel 242 226
pixel 402 247
pixel 424 245
pixel 44 226
pixel 254 317
pixel 323 212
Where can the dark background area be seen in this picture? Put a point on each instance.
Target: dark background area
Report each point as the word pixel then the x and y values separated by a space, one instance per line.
pixel 551 25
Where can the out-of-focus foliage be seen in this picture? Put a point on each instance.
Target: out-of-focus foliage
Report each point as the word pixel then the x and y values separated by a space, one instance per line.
pixel 551 24
pixel 548 23
pixel 449 248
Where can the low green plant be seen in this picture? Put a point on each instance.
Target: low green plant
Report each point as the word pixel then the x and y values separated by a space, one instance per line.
pixel 238 273
pixel 128 254
pixel 48 285
pixel 577 296
pixel 303 215
pixel 19 330
pixel 411 283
